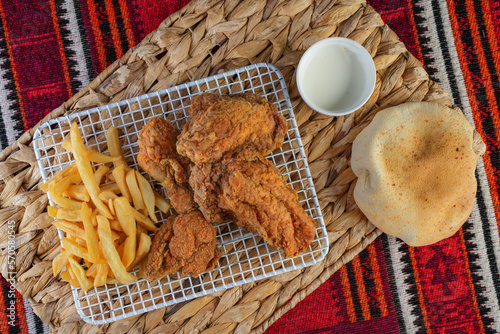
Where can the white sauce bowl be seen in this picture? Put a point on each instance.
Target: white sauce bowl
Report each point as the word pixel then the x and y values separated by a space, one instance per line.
pixel 336 76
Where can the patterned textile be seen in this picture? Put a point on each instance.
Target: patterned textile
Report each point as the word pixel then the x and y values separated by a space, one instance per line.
pixel 49 49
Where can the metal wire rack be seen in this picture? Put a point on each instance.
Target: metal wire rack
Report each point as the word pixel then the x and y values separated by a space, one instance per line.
pixel 247 257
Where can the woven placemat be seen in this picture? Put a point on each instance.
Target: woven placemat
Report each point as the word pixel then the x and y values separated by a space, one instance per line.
pixel 204 38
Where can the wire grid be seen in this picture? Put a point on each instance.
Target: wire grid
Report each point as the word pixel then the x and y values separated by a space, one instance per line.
pixel 247 257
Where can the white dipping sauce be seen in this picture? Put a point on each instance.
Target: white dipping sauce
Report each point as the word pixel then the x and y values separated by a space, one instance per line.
pixel 334 78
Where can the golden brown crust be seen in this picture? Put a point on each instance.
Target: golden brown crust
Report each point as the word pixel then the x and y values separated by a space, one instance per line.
pixel 250 189
pixel 184 244
pixel 155 266
pixel 219 124
pixel 204 182
pixel 159 158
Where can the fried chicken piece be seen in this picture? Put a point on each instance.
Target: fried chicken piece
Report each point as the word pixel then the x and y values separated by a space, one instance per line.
pixel 247 187
pixel 158 157
pixel 219 124
pixel 204 181
pixel 184 244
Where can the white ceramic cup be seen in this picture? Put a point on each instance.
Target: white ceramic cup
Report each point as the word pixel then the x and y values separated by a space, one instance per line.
pixel 336 76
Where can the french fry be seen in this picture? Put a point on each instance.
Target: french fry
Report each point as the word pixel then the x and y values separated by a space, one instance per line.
pixel 82 242
pixel 101 254
pixel 73 248
pixel 60 261
pixel 142 250
pixel 144 221
pixel 71 169
pixel 52 211
pixel 116 236
pixel 114 145
pixel 110 252
pixel 80 274
pixel 121 238
pixel 57 188
pixel 99 157
pixel 107 194
pixel 112 280
pixel 125 215
pixel 135 192
pixel 92 270
pixel 111 206
pixel 71 228
pixel 65 276
pixel 78 192
pixel 102 274
pixel 161 203
pixel 129 245
pixel 90 233
pixel 115 225
pixel 85 170
pixel 119 249
pixel 69 215
pixel 148 195
pixel 71 273
pixel 112 187
pixel 66 144
pixel 99 173
pixel 119 175
pixel 74 282
pixel 111 274
pixel 140 229
pixel 66 203
pixel 92 155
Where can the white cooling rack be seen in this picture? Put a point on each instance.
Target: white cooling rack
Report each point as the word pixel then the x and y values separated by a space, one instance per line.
pixel 247 257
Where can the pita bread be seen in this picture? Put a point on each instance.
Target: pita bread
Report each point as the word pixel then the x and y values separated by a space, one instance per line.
pixel 415 165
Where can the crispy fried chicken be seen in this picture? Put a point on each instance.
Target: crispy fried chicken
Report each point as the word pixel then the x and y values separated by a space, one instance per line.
pixel 219 124
pixel 204 181
pixel 159 158
pixel 184 244
pixel 225 137
pixel 247 187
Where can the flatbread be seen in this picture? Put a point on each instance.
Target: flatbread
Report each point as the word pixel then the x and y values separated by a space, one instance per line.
pixel 415 165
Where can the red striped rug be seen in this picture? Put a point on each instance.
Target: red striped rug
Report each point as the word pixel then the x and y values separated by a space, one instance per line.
pixel 49 49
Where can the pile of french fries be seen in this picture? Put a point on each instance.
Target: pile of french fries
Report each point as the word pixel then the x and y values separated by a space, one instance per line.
pixel 105 213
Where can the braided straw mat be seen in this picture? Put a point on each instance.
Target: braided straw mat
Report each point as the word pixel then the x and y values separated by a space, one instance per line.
pixel 204 38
